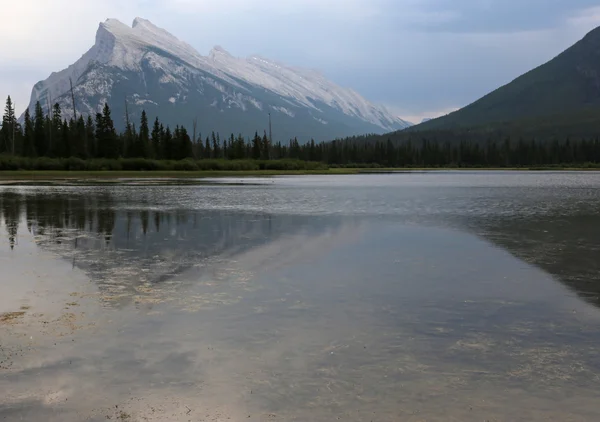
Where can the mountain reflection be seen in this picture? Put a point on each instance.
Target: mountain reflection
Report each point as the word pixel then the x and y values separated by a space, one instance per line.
pixel 564 245
pixel 123 249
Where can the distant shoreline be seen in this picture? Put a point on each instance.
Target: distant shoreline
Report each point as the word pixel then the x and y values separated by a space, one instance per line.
pixel 15 176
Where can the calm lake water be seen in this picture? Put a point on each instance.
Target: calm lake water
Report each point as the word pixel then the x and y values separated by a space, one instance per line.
pixel 445 296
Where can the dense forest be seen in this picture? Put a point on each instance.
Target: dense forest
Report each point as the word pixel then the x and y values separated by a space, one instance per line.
pixel 47 141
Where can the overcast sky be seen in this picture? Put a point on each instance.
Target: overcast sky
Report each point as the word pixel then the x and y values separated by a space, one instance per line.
pixel 421 58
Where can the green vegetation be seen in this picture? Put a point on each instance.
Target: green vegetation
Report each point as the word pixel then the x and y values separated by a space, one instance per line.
pixel 51 143
pixel 12 163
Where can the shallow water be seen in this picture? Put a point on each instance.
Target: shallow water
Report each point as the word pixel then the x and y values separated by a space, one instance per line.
pixel 414 297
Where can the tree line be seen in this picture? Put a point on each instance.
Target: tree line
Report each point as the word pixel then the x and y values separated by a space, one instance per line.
pixel 51 136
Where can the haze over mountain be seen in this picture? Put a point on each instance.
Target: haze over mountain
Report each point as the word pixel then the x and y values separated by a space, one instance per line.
pixel 148 68
pixel 560 98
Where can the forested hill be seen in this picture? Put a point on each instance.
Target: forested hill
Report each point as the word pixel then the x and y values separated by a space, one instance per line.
pixel 556 100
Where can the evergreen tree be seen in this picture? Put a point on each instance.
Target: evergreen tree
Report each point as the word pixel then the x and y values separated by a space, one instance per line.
pixel 295 149
pixel 256 146
pixel 266 147
pixel 66 139
pixel 216 148
pixel 107 143
pixel 51 135
pixel 207 150
pixel 167 143
pixel 232 149
pixel 7 133
pixel 80 141
pixel 129 141
pixel 155 139
pixel 240 148
pixel 199 148
pixel 312 151
pixel 184 145
pixel 39 131
pixel 90 135
pixel 48 134
pixel 143 140
pixel 110 140
pixel 28 136
pixel 100 136
pixel 57 136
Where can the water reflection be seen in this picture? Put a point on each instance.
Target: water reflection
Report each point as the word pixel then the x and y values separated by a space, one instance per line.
pixel 132 252
pixel 229 315
pixel 564 245
pixel 119 246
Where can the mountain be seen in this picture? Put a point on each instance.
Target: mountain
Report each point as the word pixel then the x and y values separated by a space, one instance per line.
pixel 148 68
pixel 559 98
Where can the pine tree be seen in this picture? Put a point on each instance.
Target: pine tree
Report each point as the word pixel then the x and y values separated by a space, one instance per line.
pixel 28 136
pixel 57 137
pixel 81 141
pixel 294 149
pixel 106 137
pixel 7 133
pixel 266 147
pixel 109 141
pixel 129 141
pixel 240 147
pixel 256 146
pixel 207 150
pixel 231 151
pixel 199 148
pixel 66 139
pixel 100 136
pixel 142 142
pixel 248 151
pixel 167 143
pixel 48 134
pixel 216 147
pixel 155 140
pixel 90 135
pixel 173 146
pixel 184 145
pixel 312 152
pixel 39 131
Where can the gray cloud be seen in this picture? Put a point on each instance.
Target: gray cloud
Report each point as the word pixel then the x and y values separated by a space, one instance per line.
pixel 502 15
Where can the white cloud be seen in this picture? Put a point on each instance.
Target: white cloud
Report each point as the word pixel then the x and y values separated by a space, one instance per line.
pixel 39 30
pixel 43 36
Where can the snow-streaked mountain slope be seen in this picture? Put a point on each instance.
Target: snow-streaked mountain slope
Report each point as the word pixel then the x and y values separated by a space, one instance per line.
pixel 150 69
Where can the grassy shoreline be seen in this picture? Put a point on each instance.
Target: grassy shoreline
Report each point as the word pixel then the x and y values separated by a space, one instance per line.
pixel 32 175
pixel 136 174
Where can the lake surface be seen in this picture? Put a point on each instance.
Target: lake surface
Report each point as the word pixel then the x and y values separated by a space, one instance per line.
pixel 439 296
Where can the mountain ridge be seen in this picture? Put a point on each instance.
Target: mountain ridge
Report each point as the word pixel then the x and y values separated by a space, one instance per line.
pixel 148 67
pixel 564 85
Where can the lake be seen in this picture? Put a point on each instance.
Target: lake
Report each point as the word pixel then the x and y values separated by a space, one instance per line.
pixel 434 296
